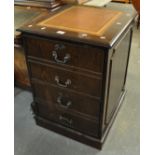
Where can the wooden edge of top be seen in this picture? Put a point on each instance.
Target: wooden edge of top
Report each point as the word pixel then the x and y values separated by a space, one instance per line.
pixel 91 40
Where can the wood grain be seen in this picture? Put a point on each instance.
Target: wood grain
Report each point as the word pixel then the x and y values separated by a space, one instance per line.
pixel 96 97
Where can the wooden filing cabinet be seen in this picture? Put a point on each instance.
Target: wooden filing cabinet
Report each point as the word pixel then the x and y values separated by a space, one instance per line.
pixel 22 14
pixel 25 11
pixel 78 79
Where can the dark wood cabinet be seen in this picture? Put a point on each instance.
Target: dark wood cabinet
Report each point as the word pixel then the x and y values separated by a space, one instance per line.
pixel 22 15
pixel 49 4
pixel 77 77
pixel 26 11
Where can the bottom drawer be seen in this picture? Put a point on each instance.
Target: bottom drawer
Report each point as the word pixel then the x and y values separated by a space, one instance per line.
pixel 69 120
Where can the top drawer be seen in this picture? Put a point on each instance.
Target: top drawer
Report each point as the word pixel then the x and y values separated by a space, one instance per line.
pixel 66 54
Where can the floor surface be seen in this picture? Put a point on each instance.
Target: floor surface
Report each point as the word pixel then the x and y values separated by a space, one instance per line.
pixel 123 138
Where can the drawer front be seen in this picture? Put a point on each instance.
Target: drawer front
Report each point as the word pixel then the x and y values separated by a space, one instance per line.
pixel 62 53
pixel 66 100
pixel 69 120
pixel 67 79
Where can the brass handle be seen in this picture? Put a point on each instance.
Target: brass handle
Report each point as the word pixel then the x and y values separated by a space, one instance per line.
pixel 65 60
pixel 64 105
pixel 68 82
pixel 65 120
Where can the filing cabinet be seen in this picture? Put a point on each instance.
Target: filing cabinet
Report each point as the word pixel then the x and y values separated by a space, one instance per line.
pixel 78 73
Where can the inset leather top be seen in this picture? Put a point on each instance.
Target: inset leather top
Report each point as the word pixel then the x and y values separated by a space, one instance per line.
pixel 83 24
pixel 89 20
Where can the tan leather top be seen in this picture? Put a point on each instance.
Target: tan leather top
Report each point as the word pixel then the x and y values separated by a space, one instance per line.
pixel 89 25
pixel 82 19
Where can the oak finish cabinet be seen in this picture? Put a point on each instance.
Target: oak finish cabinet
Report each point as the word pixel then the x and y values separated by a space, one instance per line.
pixel 78 69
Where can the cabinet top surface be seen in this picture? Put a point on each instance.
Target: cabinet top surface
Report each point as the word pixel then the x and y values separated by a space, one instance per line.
pixel 82 19
pixel 99 26
pixel 25 14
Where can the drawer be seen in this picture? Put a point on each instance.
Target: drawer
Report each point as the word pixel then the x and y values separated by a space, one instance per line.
pixel 66 100
pixel 63 78
pixel 63 53
pixel 69 120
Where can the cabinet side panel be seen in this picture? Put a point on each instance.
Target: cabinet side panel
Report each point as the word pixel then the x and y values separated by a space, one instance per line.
pixel 117 74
